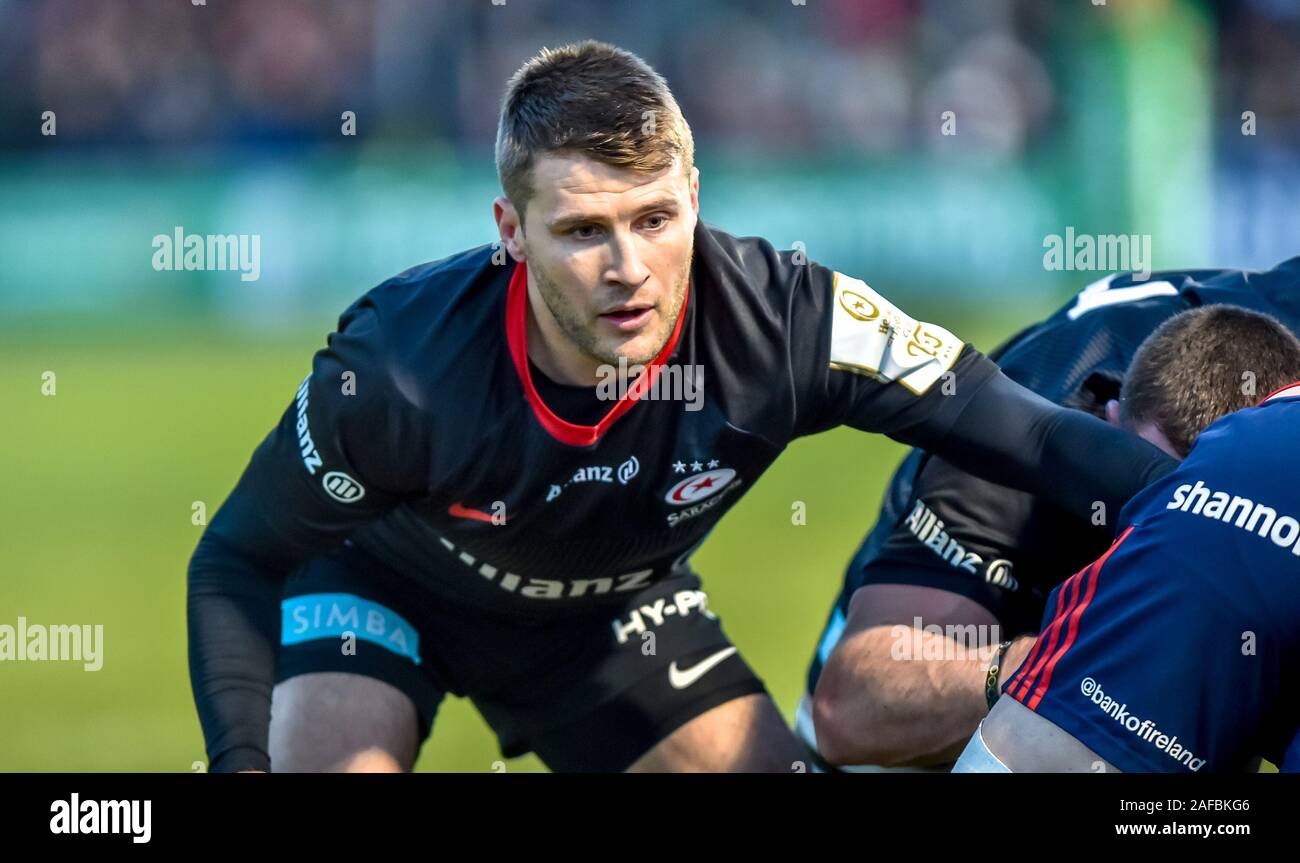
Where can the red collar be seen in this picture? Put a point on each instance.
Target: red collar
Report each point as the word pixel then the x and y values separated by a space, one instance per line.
pixel 562 430
pixel 1288 391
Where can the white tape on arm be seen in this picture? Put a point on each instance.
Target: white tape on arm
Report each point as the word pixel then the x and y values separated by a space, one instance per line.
pixel 977 758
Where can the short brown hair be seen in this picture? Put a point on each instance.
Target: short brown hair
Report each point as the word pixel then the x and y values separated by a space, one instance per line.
pixel 590 98
pixel 1203 364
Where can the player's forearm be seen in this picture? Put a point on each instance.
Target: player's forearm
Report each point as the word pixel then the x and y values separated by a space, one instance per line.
pixel 276 518
pixel 233 617
pixel 1009 435
pixel 878 701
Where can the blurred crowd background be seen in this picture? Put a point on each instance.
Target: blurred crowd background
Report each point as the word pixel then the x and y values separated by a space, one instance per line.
pixel 816 122
pixel 131 398
pixel 861 78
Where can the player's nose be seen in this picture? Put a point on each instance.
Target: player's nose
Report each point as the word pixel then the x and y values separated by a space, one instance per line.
pixel 627 266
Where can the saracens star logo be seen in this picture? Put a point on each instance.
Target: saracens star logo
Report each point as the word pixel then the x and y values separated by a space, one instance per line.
pixel 700 486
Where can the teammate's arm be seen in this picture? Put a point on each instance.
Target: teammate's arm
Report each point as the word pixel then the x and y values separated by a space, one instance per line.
pixel 1010 435
pixel 880 700
pixel 895 691
pixel 883 371
pixel 330 465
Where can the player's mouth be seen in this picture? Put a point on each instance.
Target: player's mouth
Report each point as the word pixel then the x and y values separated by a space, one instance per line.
pixel 629 317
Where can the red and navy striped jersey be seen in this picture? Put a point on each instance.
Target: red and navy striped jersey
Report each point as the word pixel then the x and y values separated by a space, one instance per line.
pixel 1177 650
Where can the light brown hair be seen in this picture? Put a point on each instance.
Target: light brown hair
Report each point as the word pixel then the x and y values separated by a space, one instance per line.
pixel 1203 364
pixel 590 98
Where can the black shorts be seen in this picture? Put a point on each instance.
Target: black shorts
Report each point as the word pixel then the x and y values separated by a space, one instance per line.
pixel 586 692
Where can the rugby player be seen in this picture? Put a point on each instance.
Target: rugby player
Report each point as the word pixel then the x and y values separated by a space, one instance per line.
pixel 451 503
pixel 1176 651
pixel 965 557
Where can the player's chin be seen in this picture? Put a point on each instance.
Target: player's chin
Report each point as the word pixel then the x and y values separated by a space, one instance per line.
pixel 635 348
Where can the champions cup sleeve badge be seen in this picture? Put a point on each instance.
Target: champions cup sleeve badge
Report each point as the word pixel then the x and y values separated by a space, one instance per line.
pixel 870 336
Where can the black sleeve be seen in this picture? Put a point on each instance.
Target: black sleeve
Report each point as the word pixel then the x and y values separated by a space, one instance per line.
pixel 1009 435
pixel 877 369
pixel 349 447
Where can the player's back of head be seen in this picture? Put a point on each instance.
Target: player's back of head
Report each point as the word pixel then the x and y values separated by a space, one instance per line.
pixel 593 99
pixel 1203 364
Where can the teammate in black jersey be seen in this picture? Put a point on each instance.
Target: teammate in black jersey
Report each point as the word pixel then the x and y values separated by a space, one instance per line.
pixel 456 501
pixel 954 550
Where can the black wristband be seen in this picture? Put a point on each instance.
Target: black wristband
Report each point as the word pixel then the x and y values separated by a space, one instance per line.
pixel 991 689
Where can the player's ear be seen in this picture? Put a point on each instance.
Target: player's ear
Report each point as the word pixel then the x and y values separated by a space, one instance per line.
pixel 1112 413
pixel 509 227
pixel 695 190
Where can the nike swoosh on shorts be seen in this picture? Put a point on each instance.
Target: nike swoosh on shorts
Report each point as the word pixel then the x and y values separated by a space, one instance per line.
pixel 680 678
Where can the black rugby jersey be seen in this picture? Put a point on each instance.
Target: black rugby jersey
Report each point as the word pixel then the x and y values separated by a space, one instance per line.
pixel 944 528
pixel 420 436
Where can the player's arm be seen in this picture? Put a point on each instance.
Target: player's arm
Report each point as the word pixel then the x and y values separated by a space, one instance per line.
pixel 895 695
pixel 1015 739
pixel 883 371
pixel 347 449
pixel 1014 437
pixel 896 691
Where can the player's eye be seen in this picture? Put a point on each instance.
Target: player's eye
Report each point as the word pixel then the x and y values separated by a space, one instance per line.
pixel 584 232
pixel 657 221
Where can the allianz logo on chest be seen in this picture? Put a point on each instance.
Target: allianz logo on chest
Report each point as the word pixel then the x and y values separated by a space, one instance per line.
pixel 621 474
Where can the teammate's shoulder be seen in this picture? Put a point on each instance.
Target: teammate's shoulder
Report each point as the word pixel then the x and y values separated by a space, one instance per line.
pixel 1080 352
pixel 1276 291
pixel 1257 440
pixel 1239 472
pixel 1123 293
pixel 1277 415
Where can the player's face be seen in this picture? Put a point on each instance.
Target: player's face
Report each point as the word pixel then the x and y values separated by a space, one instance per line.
pixel 609 257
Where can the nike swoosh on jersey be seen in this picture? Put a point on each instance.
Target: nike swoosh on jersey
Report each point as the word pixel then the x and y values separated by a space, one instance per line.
pixel 680 678
pixel 459 511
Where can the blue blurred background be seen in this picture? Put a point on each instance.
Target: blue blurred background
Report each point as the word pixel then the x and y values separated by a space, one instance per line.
pixel 818 123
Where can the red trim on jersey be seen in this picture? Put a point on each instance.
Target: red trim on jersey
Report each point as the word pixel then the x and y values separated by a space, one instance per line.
pixel 562 430
pixel 1094 575
pixel 1277 392
pixel 1023 672
pixel 1048 638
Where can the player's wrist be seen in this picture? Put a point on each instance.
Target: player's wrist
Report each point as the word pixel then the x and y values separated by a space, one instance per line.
pixel 1017 654
pixel 993 674
pixel 1004 662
